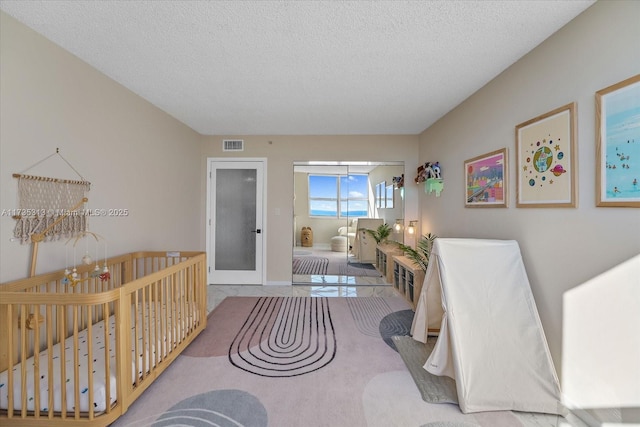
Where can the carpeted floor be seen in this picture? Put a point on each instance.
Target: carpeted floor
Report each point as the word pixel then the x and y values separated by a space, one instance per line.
pixel 298 361
pixel 357 269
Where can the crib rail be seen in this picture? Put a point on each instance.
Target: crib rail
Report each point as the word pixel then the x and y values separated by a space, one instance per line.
pixel 156 302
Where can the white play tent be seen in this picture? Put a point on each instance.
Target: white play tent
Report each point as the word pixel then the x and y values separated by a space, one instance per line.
pixel 491 340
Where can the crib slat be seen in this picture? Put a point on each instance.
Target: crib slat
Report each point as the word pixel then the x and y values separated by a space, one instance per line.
pixel 141 315
pixel 134 318
pixel 90 360
pixel 107 367
pixel 143 327
pixel 163 318
pixel 157 356
pixel 49 320
pixel 122 310
pixel 62 328
pixel 146 319
pixel 172 322
pixel 10 360
pixel 76 362
pixel 23 357
pixel 184 291
pixel 175 326
pixel 146 327
pixel 36 363
pixel 190 318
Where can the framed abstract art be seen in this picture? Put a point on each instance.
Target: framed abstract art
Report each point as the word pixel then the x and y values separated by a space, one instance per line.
pixel 485 180
pixel 546 160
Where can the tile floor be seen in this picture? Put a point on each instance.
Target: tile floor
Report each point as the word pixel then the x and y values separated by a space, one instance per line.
pixel 323 288
pixel 332 256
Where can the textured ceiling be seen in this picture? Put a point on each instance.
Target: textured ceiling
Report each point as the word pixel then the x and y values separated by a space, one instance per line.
pixel 299 67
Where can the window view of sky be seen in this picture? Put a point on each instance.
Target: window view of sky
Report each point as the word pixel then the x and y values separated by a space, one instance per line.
pixel 349 192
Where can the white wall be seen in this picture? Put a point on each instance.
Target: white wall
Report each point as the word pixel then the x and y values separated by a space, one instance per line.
pixel 135 156
pixel 562 247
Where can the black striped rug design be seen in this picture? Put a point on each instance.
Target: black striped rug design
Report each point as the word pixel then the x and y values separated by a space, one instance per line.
pixel 310 265
pixel 367 314
pixel 285 337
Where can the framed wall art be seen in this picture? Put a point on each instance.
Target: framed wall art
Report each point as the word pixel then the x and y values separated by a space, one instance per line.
pixel 486 180
pixel 618 144
pixel 546 160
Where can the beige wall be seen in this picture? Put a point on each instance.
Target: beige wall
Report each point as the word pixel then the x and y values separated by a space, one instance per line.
pixel 135 156
pixel 282 152
pixel 562 247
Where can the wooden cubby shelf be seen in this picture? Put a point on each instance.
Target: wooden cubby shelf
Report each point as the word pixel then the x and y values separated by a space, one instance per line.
pixel 407 279
pixel 384 259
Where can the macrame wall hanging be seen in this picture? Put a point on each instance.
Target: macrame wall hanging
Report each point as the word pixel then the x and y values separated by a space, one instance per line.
pixel 41 201
pixel 50 208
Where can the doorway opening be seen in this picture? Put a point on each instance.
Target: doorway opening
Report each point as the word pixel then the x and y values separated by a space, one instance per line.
pixel 334 204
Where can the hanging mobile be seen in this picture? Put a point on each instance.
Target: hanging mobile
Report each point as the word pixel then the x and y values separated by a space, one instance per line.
pixel 71 276
pixel 105 271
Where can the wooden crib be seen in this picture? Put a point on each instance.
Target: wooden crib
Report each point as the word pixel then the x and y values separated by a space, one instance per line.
pixel 82 354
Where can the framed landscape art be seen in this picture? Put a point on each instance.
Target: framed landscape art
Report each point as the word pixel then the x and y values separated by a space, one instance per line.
pixel 546 160
pixel 485 180
pixel 618 144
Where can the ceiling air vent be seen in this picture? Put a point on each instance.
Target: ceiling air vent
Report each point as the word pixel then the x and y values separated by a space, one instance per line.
pixel 232 145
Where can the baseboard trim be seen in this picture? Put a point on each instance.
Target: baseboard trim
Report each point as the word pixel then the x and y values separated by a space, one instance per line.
pixel 278 283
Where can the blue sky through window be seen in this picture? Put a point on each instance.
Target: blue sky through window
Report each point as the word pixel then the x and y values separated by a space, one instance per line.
pixel 352 191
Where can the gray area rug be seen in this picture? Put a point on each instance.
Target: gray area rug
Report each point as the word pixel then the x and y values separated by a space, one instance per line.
pixel 356 269
pixel 310 265
pixel 434 389
pixel 217 407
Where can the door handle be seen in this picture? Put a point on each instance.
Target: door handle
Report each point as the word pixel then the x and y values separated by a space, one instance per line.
pixel 258 231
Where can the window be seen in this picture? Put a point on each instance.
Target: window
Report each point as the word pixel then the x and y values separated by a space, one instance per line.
pixel 338 196
pixel 384 196
pixel 380 195
pixel 389 197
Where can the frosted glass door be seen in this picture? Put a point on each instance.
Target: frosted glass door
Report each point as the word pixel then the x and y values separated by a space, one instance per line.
pixel 236 230
pixel 236 234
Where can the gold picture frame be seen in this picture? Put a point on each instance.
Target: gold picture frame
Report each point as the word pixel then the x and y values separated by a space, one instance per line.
pixel 546 160
pixel 618 144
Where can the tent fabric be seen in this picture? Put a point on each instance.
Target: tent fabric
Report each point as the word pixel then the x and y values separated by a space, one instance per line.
pixel 491 340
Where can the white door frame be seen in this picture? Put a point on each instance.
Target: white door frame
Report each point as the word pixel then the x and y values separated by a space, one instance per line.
pixel 208 221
